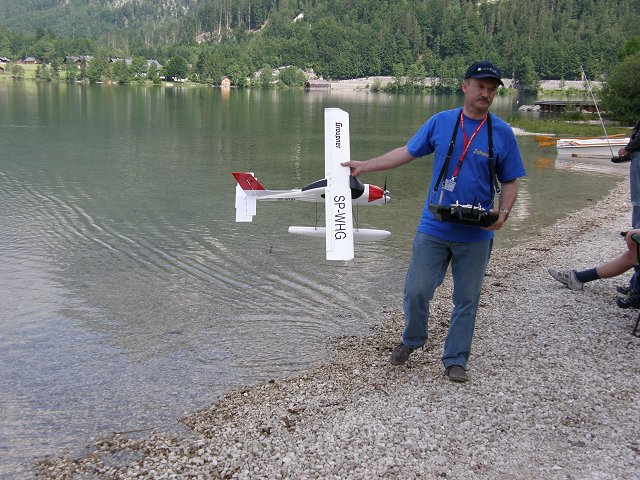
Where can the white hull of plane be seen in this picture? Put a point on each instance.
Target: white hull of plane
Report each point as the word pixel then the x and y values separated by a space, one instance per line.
pixel 359 234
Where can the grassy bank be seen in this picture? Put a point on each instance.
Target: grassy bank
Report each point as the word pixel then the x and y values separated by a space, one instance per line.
pixel 588 126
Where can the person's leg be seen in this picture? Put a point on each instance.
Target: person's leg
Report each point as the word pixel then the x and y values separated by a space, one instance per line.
pixel 468 265
pixel 634 283
pixel 426 272
pixel 622 263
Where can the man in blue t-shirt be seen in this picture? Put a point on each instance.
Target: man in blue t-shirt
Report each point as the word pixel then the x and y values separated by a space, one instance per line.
pixel 471 148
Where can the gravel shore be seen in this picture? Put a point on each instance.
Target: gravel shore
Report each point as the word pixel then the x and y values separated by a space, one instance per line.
pixel 554 391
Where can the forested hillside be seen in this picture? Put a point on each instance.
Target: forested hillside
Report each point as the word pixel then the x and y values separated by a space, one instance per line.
pixel 337 38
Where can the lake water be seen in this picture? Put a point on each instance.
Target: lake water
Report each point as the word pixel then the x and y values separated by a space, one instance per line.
pixel 128 294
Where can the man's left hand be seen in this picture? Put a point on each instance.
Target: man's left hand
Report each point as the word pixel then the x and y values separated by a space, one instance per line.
pixel 497 225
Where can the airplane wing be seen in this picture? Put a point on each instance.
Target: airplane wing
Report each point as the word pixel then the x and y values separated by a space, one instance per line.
pixel 338 206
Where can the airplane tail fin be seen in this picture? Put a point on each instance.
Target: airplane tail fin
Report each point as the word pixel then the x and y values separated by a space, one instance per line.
pixel 247 181
pixel 245 196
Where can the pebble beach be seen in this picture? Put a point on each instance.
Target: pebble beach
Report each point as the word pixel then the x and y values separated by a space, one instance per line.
pixel 554 390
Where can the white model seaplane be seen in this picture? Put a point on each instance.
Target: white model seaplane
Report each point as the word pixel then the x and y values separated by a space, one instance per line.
pixel 338 190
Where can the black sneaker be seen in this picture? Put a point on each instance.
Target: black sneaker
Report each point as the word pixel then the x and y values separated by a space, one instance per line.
pixel 630 301
pixel 623 290
pixel 456 373
pixel 400 354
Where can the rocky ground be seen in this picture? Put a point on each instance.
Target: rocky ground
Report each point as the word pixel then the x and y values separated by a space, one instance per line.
pixel 554 394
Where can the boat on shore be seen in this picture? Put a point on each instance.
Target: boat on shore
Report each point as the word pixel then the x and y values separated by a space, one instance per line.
pixel 591 147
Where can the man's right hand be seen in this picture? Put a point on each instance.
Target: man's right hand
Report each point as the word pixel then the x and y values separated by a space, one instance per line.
pixel 355 166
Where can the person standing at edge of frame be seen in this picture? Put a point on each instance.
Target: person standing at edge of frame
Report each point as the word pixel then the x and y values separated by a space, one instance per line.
pixel 632 291
pixel 473 150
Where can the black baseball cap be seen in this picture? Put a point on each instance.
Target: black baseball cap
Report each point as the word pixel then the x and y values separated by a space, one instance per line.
pixel 484 69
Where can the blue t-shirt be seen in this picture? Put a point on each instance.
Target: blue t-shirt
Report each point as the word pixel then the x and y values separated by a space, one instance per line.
pixel 473 182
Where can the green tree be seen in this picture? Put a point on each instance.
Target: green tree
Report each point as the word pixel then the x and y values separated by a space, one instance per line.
pixel 416 74
pixel 71 71
pixel 621 92
pixel 98 69
pixel 83 70
pixel 55 69
pixel 526 76
pixel 17 71
pixel 152 74
pixel 265 76
pixel 238 74
pixel 292 77
pixel 43 73
pixel 398 77
pixel 451 73
pixel 176 68
pixel 138 68
pixel 44 49
pixel 120 72
pixel 631 46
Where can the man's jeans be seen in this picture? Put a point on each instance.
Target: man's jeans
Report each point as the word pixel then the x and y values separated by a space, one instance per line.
pixel 429 262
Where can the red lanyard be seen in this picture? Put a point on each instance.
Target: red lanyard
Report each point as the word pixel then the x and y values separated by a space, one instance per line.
pixel 467 143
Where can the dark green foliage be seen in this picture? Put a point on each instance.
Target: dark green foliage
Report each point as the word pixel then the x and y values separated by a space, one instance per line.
pixel 152 74
pixel 292 77
pixel 98 70
pixel 120 72
pixel 72 72
pixel 43 72
pixel 265 77
pixel 630 47
pixel 529 39
pixel 525 74
pixel 16 71
pixel 176 68
pixel 621 94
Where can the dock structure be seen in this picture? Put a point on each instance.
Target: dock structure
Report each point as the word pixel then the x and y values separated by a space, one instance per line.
pixel 317 85
pixel 561 106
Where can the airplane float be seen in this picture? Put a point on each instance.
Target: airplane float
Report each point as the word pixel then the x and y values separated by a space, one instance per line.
pixel 338 191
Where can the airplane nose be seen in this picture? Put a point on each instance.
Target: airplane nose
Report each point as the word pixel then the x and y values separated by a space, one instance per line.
pixel 378 195
pixel 375 193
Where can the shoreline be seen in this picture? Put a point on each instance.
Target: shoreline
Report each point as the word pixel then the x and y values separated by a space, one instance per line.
pixel 553 392
pixel 365 83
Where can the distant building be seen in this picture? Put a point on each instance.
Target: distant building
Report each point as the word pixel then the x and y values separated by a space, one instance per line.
pixel 127 61
pixel 225 82
pixel 78 59
pixel 154 62
pixel 30 61
pixel 4 60
pixel 322 85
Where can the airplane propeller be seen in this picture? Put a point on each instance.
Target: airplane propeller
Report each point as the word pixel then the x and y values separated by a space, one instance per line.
pixel 384 189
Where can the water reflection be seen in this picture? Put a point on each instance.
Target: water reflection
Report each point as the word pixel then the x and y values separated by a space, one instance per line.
pixel 129 294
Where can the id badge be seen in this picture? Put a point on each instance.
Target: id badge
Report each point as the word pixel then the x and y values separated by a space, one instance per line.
pixel 449 185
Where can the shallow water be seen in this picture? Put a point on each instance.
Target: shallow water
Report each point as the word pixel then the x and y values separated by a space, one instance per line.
pixel 128 294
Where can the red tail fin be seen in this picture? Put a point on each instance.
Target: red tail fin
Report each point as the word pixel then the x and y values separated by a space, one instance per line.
pixel 247 181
